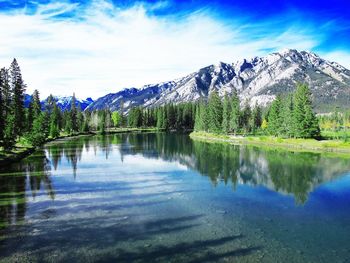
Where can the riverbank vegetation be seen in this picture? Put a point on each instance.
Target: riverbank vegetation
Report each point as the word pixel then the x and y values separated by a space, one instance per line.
pixel 288 117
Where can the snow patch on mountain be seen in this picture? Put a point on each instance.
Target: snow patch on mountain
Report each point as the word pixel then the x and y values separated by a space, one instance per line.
pixel 257 80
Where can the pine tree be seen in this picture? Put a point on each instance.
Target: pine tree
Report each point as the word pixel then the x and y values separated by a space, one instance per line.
pixel 18 88
pixel 235 113
pixel 54 121
pixel 245 118
pixel 256 118
pixel 159 118
pixel 67 121
pixel 37 136
pixel 287 111
pixel 2 117
pixel 171 116
pixel 36 105
pixel 6 110
pixel 274 118
pixel 6 91
pixel 102 123
pixel 9 132
pixel 215 112
pixel 204 116
pixel 226 114
pixel 30 117
pixel 121 112
pixel 304 119
pixel 197 120
pixel 73 113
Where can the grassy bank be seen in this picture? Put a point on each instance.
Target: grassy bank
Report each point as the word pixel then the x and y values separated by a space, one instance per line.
pixel 268 141
pixel 23 148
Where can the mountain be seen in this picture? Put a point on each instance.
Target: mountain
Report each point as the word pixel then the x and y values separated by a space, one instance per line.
pixel 64 103
pixel 257 80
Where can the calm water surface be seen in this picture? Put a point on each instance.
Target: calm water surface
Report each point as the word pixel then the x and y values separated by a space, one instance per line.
pixel 164 198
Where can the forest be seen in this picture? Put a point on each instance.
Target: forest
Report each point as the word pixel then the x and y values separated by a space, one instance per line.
pixel 291 116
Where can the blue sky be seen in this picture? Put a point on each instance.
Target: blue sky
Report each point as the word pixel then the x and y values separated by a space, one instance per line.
pixel 99 46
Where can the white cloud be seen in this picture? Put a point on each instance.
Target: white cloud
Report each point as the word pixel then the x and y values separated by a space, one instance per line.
pixel 108 48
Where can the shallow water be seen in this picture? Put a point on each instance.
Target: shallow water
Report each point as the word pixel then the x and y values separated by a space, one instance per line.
pixel 164 198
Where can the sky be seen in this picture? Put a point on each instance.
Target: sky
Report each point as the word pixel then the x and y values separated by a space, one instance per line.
pixel 96 47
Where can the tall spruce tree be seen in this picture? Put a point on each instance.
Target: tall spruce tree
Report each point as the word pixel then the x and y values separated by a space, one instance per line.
pixel 36 104
pixel 6 91
pixel 160 118
pixel 215 112
pixel 18 88
pixel 2 117
pixel 305 121
pixel 274 117
pixel 73 113
pixel 287 111
pixel 226 114
pixel 256 118
pixel 9 136
pixel 245 117
pixel 6 110
pixel 54 121
pixel 235 112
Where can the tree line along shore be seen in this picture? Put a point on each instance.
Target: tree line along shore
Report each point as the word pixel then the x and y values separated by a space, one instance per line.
pixel 290 117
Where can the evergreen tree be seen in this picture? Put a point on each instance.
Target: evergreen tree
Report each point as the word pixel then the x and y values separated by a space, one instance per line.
pixel 54 121
pixel 18 89
pixel 37 136
pixel 245 118
pixel 171 118
pixel 6 91
pixel 197 120
pixel 35 103
pixel 287 111
pixel 274 117
pixel 9 136
pixel 73 113
pixel 121 112
pixel 215 112
pixel 235 113
pixel 160 118
pixel 67 122
pixel 304 119
pixel 226 114
pixel 30 116
pixel 102 123
pixel 2 117
pixel 256 118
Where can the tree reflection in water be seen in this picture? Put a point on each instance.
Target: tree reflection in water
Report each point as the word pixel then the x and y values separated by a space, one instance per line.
pixel 22 181
pixel 295 173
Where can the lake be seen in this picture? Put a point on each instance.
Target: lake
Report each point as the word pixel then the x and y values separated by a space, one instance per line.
pixel 157 197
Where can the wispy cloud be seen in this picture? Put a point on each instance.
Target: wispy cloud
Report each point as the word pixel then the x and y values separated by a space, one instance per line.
pixel 99 48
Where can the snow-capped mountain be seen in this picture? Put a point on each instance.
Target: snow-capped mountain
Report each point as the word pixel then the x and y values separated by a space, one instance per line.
pixel 64 103
pixel 257 80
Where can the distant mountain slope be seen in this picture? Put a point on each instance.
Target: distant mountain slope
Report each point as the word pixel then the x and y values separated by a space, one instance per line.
pixel 64 103
pixel 257 80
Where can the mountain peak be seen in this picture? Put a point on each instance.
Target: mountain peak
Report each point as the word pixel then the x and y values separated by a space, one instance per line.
pixel 257 80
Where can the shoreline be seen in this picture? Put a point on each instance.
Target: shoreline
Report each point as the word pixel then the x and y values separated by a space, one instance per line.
pixel 300 145
pixel 19 153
